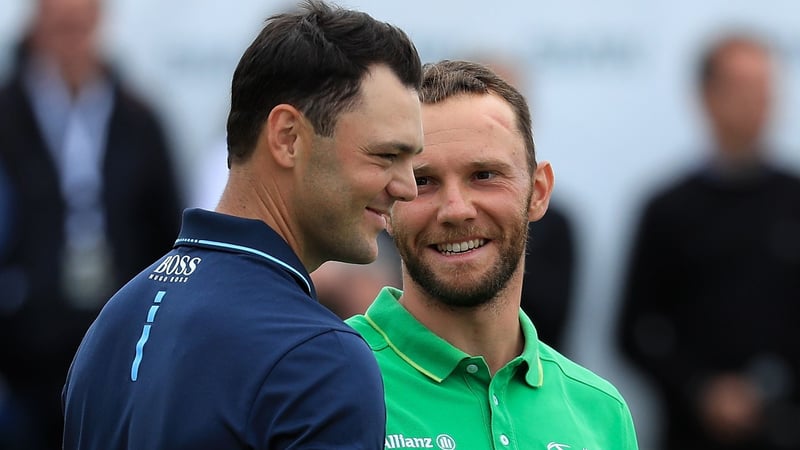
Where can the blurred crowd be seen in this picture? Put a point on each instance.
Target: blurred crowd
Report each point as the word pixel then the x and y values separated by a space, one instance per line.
pixel 710 298
pixel 90 198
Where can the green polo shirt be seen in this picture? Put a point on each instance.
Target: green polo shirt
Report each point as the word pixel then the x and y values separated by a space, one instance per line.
pixel 439 397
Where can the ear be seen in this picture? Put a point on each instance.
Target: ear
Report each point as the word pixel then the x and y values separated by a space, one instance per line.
pixel 543 180
pixel 284 134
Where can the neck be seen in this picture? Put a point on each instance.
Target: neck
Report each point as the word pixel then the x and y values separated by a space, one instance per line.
pixel 491 330
pixel 76 71
pixel 253 195
pixel 735 150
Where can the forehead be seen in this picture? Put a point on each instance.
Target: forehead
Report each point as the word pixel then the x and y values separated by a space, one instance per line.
pixel 743 60
pixel 386 111
pixel 482 125
pixel 68 9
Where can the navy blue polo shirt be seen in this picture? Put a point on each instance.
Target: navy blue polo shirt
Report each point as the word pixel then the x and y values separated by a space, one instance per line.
pixel 221 344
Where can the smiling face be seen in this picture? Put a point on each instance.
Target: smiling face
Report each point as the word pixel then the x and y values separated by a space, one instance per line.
pixel 348 183
pixel 464 236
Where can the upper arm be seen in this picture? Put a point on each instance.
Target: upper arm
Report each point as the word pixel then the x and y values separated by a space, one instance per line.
pixel 326 393
pixel 628 431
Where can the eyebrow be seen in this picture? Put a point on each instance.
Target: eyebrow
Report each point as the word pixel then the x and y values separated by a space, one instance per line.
pixel 401 146
pixel 491 164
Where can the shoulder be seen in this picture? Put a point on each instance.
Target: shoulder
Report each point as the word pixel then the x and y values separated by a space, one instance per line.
pixel 786 177
pixel 327 386
pixel 11 93
pixel 364 328
pixel 131 109
pixel 270 311
pixel 335 344
pixel 675 188
pixel 556 365
pixel 361 324
pixel 670 199
pixel 13 101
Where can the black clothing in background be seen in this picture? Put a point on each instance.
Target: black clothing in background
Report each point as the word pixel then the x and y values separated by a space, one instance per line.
pixel 39 329
pixel 549 275
pixel 713 287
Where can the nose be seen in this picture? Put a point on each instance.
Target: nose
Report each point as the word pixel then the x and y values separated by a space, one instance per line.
pixel 456 206
pixel 403 185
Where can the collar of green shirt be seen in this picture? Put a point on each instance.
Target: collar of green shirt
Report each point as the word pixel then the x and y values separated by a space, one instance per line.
pixel 431 355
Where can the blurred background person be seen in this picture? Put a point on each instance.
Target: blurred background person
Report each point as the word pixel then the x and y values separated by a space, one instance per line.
pixel 94 200
pixel 712 298
pixel 547 286
pixel 5 213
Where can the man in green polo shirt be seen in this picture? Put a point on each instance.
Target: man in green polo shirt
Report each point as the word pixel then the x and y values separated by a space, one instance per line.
pixel 462 365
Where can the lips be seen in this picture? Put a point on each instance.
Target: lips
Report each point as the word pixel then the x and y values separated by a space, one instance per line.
pixel 455 248
pixel 380 212
pixel 384 216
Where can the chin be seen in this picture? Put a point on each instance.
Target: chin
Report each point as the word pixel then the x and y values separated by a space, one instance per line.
pixel 360 252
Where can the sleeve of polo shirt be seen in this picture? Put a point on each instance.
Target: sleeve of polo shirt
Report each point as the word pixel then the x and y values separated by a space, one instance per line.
pixel 628 431
pixel 326 393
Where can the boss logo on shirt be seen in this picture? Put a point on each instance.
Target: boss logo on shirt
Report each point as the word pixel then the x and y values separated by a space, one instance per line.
pixel 442 442
pixel 175 269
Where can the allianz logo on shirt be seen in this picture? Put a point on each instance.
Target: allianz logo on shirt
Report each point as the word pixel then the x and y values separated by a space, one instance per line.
pixel 175 269
pixel 442 442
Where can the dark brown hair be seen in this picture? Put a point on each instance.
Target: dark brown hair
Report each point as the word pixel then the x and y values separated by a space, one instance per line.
pixel 448 78
pixel 313 59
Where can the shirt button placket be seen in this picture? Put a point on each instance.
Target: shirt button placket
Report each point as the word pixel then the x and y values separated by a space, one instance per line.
pixel 501 418
pixel 504 440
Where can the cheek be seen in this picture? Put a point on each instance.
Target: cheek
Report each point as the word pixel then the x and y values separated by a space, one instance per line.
pixel 402 221
pixel 395 221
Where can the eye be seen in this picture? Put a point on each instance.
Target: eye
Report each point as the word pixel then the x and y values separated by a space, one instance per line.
pixel 391 157
pixel 422 181
pixel 484 175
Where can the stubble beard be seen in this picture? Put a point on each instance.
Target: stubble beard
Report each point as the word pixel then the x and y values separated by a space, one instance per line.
pixel 333 226
pixel 467 291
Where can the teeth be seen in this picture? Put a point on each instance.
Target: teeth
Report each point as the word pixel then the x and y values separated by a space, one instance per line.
pixel 460 247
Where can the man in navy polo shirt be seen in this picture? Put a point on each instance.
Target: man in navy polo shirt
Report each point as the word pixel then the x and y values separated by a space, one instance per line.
pixel 221 343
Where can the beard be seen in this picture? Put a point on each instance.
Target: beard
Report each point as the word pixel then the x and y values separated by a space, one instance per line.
pixel 469 289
